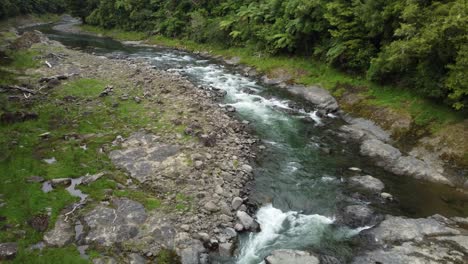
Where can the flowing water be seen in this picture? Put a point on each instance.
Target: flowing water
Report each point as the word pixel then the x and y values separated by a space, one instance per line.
pixel 297 186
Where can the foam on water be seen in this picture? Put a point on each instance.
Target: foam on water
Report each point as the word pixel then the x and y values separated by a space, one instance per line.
pixel 282 230
pixel 288 230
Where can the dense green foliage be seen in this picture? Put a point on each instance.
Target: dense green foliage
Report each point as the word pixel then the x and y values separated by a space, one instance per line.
pixel 11 8
pixel 417 44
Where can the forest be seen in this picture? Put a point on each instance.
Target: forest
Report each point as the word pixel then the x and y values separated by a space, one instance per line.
pixel 415 44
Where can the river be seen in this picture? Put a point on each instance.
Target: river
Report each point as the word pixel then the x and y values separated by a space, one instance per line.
pixel 298 184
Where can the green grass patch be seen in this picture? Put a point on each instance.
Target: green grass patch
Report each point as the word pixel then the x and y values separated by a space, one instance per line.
pixel 166 256
pixel 84 88
pixel 147 200
pixel 183 202
pixel 22 60
pixel 96 190
pixel 68 255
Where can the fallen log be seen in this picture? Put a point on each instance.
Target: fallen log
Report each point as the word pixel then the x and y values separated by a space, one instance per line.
pixel 58 77
pixel 22 89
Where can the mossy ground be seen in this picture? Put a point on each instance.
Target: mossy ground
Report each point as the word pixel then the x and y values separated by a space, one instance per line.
pixel 80 124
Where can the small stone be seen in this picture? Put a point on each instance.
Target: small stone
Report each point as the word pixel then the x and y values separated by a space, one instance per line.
pixel 211 206
pixel 225 249
pixel 230 109
pixel 386 196
pixel 219 190
pixel 355 169
pixel 186 228
pixel 91 178
pixel 246 220
pixel 61 235
pixel 136 259
pixel 137 99
pixel 238 227
pixel 367 183
pixel 35 179
pixel 243 208
pixel 198 164
pixel 246 168
pixel 236 203
pixel 197 156
pixel 60 182
pixel 230 232
pixel 8 251
pixel 203 237
pixel 50 161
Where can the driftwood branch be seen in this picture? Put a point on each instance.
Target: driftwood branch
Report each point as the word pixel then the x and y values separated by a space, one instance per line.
pixel 58 77
pixel 22 89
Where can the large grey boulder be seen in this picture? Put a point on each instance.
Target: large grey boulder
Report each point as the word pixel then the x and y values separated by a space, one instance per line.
pixel 247 221
pixel 400 229
pixel 391 159
pixel 283 256
pixel 192 253
pixel 145 158
pixel 367 183
pixel 384 154
pixel 315 95
pixel 360 128
pixel 108 225
pixel 410 252
pixel 62 234
pixel 419 169
pixel 435 239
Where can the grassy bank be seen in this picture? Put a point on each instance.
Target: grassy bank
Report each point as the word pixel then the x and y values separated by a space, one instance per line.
pixel 425 113
pixel 72 125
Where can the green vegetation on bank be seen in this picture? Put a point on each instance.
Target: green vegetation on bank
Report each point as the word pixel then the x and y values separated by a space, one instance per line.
pixel 13 8
pixel 67 128
pixel 424 111
pixel 417 45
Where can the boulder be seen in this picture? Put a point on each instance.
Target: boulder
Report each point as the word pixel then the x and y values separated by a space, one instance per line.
pixel 318 96
pixel 289 256
pixel 211 207
pixel 8 251
pixel 411 252
pixel 384 154
pixel 357 216
pixel 391 159
pixel 400 229
pixel 64 182
pixel 108 225
pixel 236 203
pixel 225 249
pixel 360 128
pixel 247 221
pixel 136 259
pixel 367 183
pixel 61 235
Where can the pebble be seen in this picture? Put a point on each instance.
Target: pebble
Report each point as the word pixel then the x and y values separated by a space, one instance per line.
pixel 211 206
pixel 236 203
